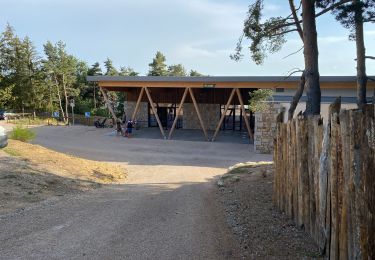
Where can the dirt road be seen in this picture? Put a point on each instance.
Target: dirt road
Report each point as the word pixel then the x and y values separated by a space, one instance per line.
pixel 165 210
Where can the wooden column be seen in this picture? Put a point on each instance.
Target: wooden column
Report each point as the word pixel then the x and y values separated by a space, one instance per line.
pixel 137 104
pixel 223 115
pixel 198 113
pixel 108 104
pixel 244 114
pixel 155 112
pixel 178 113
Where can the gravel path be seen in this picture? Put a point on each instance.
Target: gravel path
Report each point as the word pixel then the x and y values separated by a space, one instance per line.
pixel 167 208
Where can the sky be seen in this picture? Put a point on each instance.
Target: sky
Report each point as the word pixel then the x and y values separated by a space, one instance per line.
pixel 200 34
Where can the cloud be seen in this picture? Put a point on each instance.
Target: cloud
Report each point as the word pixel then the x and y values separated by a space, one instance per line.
pixel 370 32
pixel 332 39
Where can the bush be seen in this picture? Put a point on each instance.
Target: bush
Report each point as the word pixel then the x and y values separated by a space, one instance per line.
pixel 259 99
pixel 22 134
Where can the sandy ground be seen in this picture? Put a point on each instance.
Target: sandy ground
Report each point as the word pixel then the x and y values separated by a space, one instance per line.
pixel 170 207
pixel 166 210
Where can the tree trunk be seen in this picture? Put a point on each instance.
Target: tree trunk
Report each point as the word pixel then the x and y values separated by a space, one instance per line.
pixel 66 101
pixel 94 97
pixel 361 53
pixel 297 96
pixel 60 102
pixel 311 58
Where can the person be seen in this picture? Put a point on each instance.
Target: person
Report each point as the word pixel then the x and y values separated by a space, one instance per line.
pixel 119 127
pixel 129 128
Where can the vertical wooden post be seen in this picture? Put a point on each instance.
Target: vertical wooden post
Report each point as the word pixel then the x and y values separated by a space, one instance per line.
pixel 108 104
pixel 244 114
pixel 178 112
pixel 223 115
pixel 198 113
pixel 137 104
pixel 155 112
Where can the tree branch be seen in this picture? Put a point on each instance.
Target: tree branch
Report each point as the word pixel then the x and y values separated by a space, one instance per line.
pixel 297 96
pixel 333 6
pixel 295 17
pixel 369 57
pixel 300 49
pixel 285 32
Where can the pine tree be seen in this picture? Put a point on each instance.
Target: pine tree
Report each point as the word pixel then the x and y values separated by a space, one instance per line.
pixel 352 16
pixel 110 69
pixel 268 36
pixel 158 66
pixel 176 70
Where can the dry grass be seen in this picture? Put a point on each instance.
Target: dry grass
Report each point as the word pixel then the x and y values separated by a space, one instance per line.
pixel 248 167
pixel 64 165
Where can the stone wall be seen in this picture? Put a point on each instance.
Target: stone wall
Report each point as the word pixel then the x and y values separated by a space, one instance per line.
pixel 142 114
pixel 265 128
pixel 210 115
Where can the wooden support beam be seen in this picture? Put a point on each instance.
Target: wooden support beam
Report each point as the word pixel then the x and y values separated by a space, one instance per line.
pixel 137 104
pixel 178 113
pixel 244 114
pixel 108 104
pixel 155 112
pixel 198 113
pixel 223 115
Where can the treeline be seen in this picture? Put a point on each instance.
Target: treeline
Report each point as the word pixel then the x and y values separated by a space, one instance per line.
pixel 31 82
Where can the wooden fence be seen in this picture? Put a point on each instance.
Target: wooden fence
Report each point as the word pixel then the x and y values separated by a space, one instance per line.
pixel 325 180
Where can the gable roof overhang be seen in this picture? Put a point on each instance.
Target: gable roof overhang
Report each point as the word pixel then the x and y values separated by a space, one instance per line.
pixel 118 82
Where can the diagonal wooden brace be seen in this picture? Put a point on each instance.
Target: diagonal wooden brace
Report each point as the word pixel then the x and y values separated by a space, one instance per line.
pixel 223 115
pixel 198 113
pixel 244 114
pixel 178 113
pixel 108 104
pixel 155 111
pixel 137 104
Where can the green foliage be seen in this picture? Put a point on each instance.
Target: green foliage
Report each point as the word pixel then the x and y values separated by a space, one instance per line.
pixel 110 69
pixel 158 66
pixel 194 73
pixel 176 70
pixel 22 134
pixel 100 112
pixel 265 35
pixel 258 99
pixel 127 71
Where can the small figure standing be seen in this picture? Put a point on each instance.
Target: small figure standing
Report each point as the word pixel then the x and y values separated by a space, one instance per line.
pixel 129 128
pixel 119 127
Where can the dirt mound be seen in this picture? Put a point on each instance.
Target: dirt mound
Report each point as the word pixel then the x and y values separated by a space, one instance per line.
pixel 30 173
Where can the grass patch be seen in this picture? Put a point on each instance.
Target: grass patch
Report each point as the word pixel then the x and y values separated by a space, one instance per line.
pixel 21 133
pixel 11 152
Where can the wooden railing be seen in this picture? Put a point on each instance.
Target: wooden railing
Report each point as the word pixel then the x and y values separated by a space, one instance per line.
pixel 325 180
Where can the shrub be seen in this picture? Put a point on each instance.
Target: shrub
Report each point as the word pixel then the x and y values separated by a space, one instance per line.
pixel 22 134
pixel 258 99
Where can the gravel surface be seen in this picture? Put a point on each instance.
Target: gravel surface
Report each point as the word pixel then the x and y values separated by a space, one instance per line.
pixel 167 209
pixel 262 232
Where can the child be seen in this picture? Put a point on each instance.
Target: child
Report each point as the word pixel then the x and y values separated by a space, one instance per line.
pixel 129 129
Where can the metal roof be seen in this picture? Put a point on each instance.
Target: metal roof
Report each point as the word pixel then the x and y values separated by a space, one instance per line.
pixel 212 79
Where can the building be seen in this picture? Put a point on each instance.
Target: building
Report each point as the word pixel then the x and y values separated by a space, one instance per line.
pixel 215 103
